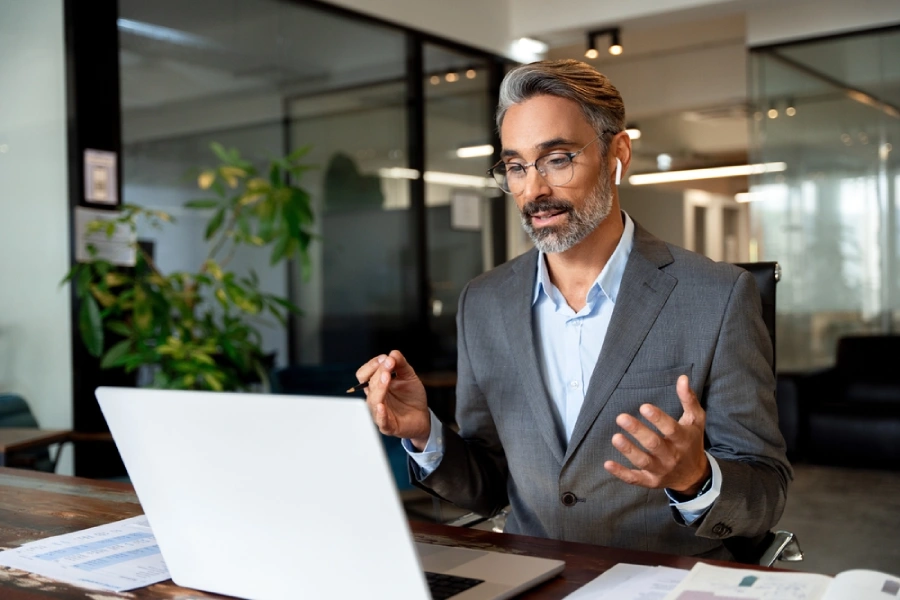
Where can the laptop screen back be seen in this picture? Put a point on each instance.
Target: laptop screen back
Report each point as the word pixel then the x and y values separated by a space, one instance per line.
pixel 265 496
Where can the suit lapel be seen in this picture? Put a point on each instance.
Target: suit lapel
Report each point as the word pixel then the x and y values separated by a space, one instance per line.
pixel 643 293
pixel 517 294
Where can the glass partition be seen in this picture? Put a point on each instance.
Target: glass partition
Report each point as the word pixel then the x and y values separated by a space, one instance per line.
pixel 269 76
pixel 826 119
pixel 458 194
pixel 362 291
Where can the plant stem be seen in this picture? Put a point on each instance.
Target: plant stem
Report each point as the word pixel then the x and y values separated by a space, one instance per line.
pixel 149 260
pixel 222 238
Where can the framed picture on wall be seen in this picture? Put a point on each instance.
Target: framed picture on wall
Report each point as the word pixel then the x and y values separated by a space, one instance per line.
pixel 100 185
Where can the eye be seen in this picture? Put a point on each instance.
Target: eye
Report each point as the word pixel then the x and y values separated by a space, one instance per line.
pixel 557 161
pixel 514 169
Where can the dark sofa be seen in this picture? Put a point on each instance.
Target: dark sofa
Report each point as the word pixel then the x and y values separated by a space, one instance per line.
pixel 849 414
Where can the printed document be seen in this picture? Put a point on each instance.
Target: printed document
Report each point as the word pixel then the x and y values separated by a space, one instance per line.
pixel 706 582
pixel 631 582
pixel 115 557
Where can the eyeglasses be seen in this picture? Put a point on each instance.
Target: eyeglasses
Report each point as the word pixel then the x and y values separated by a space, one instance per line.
pixel 557 168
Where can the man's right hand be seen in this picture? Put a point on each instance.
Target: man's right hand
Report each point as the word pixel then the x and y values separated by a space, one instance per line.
pixel 399 406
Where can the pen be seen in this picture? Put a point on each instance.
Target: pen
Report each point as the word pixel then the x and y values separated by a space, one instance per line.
pixel 364 384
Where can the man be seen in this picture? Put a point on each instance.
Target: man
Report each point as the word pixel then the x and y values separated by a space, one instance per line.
pixel 602 346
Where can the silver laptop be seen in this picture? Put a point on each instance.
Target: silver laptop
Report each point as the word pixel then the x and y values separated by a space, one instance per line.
pixel 271 497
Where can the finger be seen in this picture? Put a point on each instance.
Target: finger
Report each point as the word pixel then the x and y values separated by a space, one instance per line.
pixel 382 421
pixel 400 366
pixel 635 455
pixel 365 372
pixel 692 410
pixel 645 436
pixel 377 390
pixel 631 476
pixel 663 422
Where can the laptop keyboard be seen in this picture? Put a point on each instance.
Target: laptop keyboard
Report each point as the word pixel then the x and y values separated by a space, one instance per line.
pixel 446 586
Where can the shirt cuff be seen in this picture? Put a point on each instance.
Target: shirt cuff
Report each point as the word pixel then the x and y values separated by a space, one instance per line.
pixel 696 507
pixel 430 458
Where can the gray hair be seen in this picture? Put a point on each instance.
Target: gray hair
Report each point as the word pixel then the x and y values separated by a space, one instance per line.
pixel 599 100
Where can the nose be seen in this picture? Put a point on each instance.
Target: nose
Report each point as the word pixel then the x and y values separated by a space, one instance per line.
pixel 535 186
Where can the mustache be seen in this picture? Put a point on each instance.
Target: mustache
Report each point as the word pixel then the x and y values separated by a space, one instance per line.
pixel 548 204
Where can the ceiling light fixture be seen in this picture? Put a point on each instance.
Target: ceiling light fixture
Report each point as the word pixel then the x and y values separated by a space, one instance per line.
pixel 615 47
pixel 790 110
pixel 633 131
pixel 439 177
pixel 164 34
pixel 474 151
pixel 744 197
pixel 615 44
pixel 712 173
pixel 527 50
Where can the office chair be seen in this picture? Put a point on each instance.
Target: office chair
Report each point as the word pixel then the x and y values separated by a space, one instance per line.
pixel 15 412
pixel 764 549
pixel 781 545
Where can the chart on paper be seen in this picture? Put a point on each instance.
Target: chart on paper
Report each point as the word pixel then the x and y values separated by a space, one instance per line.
pixel 116 557
pixel 706 582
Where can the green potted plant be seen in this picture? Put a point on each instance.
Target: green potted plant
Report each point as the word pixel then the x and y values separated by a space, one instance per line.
pixel 200 329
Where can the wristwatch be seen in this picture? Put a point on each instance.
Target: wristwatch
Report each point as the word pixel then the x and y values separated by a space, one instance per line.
pixel 679 497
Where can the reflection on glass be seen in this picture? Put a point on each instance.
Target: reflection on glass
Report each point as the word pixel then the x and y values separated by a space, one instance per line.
pixel 229 71
pixel 363 288
pixel 831 219
pixel 458 194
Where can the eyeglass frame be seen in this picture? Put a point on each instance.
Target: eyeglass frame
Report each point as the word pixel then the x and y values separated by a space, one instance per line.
pixel 570 155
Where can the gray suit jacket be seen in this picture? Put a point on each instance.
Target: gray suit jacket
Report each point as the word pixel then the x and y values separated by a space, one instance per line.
pixel 677 312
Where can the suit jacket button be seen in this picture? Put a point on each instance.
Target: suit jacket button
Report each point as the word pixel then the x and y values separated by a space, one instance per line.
pixel 569 499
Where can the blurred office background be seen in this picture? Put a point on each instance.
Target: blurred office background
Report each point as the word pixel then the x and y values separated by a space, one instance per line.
pixel 396 100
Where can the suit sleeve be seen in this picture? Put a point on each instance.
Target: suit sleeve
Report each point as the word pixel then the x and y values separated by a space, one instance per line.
pixel 742 422
pixel 472 473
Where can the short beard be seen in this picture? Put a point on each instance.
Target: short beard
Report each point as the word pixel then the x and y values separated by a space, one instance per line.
pixel 580 223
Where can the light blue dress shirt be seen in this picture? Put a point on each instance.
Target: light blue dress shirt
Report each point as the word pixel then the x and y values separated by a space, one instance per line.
pixel 569 344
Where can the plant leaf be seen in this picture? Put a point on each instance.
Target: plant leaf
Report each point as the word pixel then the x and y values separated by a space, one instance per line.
pixel 116 355
pixel 280 249
pixel 300 203
pixel 90 325
pixel 114 279
pixel 206 179
pixel 298 153
pixel 202 204
pixel 72 272
pixel 83 282
pixel 220 152
pixel 213 382
pixel 215 223
pixel 286 304
pixel 275 177
pixel 119 327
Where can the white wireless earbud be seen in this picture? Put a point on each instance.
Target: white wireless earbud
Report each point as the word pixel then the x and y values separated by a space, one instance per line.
pixel 618 171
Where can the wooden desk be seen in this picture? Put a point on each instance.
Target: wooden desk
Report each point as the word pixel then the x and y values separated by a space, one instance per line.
pixel 16 439
pixel 38 505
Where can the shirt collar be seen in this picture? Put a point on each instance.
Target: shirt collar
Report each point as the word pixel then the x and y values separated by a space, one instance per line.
pixel 608 281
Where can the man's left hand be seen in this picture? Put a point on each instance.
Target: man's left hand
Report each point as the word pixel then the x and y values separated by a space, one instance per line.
pixel 671 458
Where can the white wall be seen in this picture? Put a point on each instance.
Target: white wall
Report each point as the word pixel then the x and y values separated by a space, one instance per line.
pixel 798 19
pixel 659 210
pixel 478 23
pixel 35 330
pixel 535 18
pixel 679 81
